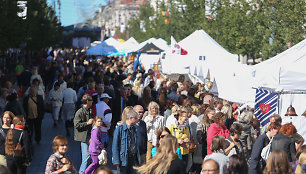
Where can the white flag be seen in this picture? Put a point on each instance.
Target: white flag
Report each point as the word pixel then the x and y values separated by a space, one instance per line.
pixel 176 49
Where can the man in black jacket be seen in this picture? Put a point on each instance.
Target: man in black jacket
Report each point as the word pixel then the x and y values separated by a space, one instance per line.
pixel 142 137
pixel 256 163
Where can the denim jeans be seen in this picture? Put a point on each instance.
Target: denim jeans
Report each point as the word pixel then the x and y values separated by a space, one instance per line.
pixel 105 139
pixel 132 161
pixel 85 157
pixel 68 111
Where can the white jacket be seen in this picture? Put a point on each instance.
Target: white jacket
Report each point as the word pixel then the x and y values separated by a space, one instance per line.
pixel 158 122
pixel 104 111
pixel 55 97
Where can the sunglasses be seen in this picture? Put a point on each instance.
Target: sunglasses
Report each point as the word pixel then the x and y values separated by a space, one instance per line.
pixel 162 136
pixel 89 100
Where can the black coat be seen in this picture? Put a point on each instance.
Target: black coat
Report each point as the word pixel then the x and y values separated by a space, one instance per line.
pixel 40 105
pixel 117 110
pixel 132 100
pixel 286 144
pixel 142 137
pixel 261 142
pixel 177 166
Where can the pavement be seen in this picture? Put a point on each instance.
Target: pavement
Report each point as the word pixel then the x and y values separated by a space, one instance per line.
pixel 43 150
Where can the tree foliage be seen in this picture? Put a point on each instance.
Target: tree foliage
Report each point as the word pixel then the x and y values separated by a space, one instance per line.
pixel 256 28
pixel 40 29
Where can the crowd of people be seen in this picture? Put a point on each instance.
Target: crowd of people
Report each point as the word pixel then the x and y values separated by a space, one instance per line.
pixel 152 123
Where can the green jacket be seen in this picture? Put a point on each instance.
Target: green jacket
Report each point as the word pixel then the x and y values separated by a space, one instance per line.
pixel 80 126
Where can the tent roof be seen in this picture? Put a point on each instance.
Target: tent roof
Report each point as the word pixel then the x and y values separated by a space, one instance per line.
pixel 150 48
pixel 131 41
pixel 206 55
pixel 284 71
pixel 199 42
pixel 285 57
pixel 101 49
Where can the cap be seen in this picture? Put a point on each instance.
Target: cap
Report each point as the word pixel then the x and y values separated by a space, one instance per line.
pixel 105 95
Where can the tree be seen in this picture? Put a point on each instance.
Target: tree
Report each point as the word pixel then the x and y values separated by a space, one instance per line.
pixel 12 32
pixel 40 29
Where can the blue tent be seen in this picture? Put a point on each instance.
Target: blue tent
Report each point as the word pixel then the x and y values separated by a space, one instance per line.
pixel 101 49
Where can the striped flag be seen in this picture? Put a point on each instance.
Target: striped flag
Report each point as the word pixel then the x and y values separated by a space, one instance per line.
pixel 266 105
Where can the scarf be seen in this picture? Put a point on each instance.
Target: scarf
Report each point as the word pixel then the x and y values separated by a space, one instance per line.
pixel 19 127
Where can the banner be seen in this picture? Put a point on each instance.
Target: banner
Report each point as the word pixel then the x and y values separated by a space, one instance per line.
pixel 265 105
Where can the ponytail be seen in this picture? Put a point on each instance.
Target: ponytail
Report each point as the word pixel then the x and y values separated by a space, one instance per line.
pixel 9 143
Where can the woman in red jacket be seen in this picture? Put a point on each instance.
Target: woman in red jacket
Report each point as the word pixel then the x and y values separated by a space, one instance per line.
pixel 217 128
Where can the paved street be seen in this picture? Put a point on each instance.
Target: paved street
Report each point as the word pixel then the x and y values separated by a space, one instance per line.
pixel 43 150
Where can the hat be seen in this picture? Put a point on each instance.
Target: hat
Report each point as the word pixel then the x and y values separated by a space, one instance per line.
pixel 105 95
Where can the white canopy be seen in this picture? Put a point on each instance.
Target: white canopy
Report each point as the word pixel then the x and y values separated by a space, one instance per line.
pixel 285 71
pixel 130 45
pixel 233 79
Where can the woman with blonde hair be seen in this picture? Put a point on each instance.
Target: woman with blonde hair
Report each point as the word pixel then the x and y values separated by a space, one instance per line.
pixel 153 122
pixel 228 111
pixel 277 163
pixel 123 116
pixel 208 117
pixel 166 160
pixel 301 167
pixel 137 88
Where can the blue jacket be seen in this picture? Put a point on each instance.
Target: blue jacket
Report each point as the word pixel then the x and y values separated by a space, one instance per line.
pixel 142 137
pixel 120 145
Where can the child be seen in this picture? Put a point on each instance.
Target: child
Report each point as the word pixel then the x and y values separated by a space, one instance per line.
pixel 96 145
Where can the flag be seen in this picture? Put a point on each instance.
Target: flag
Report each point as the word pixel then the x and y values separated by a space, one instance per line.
pixel 176 48
pixel 265 105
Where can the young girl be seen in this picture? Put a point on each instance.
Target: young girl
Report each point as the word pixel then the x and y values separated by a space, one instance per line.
pixel 96 145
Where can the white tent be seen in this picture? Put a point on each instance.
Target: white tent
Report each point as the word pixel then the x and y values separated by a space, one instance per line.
pixel 233 79
pixel 113 42
pixel 148 60
pixel 277 72
pixel 286 72
pixel 160 43
pixel 130 45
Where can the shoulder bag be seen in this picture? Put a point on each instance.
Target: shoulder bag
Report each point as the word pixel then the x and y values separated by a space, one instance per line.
pixel 265 153
pixel 18 151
